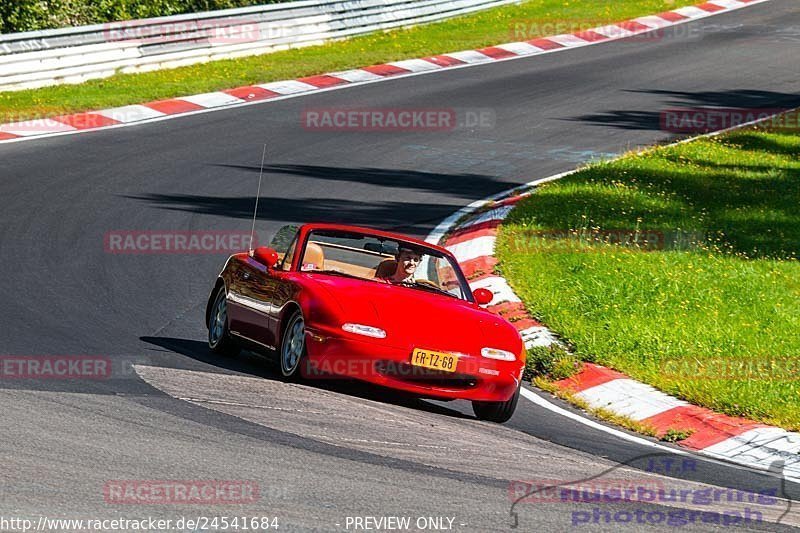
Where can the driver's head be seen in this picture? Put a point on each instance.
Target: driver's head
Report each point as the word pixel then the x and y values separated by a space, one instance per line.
pixel 407 260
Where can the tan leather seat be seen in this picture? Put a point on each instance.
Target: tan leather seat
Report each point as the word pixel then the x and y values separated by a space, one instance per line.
pixel 314 258
pixel 386 268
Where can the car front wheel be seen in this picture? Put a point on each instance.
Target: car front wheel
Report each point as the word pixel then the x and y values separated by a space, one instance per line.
pixel 496 411
pixel 219 336
pixel 293 346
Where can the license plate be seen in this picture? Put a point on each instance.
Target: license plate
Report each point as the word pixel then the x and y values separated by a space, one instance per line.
pixel 445 362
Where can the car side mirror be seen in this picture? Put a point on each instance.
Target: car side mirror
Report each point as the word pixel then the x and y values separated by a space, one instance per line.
pixel 266 256
pixel 483 296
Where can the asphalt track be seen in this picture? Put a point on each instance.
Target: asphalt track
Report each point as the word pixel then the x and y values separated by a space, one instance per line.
pixel 323 452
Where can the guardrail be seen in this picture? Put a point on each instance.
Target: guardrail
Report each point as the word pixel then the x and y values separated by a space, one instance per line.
pixel 73 55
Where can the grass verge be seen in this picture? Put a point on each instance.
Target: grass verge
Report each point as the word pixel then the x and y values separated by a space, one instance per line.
pixel 530 19
pixel 678 267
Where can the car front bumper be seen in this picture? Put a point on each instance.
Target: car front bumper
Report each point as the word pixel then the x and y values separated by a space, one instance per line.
pixel 475 378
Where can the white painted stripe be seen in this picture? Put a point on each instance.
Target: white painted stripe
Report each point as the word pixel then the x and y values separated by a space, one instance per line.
pixel 521 49
pixel 613 31
pixel 498 213
pixel 541 402
pixel 499 287
pixel 537 336
pixel 472 249
pixel 470 56
pixel 568 40
pixel 630 398
pixel 288 87
pixel 728 4
pixel 130 113
pixel 215 99
pixel 356 75
pixel 35 127
pixel 416 65
pixel 760 447
pixel 653 21
pixel 691 12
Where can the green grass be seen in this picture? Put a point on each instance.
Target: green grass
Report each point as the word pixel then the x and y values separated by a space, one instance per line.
pixel 713 316
pixel 494 26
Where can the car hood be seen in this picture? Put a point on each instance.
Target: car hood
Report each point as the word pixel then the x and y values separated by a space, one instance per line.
pixel 415 318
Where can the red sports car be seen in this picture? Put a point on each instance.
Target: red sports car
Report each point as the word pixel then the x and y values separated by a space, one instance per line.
pixel 334 300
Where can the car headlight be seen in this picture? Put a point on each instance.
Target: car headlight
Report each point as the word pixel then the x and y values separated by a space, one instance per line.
pixel 367 331
pixel 494 353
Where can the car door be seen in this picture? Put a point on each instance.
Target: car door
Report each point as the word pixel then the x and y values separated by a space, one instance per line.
pixel 252 293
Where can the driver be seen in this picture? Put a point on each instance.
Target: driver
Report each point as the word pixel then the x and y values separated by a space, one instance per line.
pixel 406 262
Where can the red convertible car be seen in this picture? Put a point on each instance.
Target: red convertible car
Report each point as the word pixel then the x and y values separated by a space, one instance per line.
pixel 334 300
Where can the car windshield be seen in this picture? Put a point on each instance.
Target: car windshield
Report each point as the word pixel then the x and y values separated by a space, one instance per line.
pixel 383 260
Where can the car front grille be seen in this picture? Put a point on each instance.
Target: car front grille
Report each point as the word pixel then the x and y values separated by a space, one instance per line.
pixel 424 376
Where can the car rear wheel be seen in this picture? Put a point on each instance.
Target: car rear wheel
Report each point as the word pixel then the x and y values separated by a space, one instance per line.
pixel 496 411
pixel 219 336
pixel 293 346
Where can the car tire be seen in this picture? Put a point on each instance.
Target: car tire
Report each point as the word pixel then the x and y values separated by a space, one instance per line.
pixel 219 334
pixel 292 351
pixel 496 411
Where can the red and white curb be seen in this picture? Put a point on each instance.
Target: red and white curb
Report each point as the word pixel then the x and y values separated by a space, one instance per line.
pixel 471 234
pixel 164 109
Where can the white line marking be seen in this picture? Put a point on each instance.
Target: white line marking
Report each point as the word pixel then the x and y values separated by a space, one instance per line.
pixel 612 31
pixel 315 90
pixel 630 398
pixel 522 49
pixel 130 113
pixel 691 12
pixel 499 287
pixel 36 127
pixel 728 4
pixel 471 57
pixel 541 402
pixel 356 75
pixel 215 99
pixel 416 65
pixel 288 87
pixel 759 447
pixel 537 336
pixel 653 21
pixel 569 40
pixel 473 249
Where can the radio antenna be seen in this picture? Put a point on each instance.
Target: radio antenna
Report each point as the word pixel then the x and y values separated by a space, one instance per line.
pixel 258 194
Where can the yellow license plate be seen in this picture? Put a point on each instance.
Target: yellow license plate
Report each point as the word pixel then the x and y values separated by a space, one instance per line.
pixel 445 362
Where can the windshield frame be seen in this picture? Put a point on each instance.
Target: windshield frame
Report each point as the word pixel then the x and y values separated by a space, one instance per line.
pixel 306 234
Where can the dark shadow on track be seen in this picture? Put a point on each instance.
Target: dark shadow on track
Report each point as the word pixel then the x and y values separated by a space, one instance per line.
pixel 463 185
pixel 651 119
pixel 383 215
pixel 257 365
